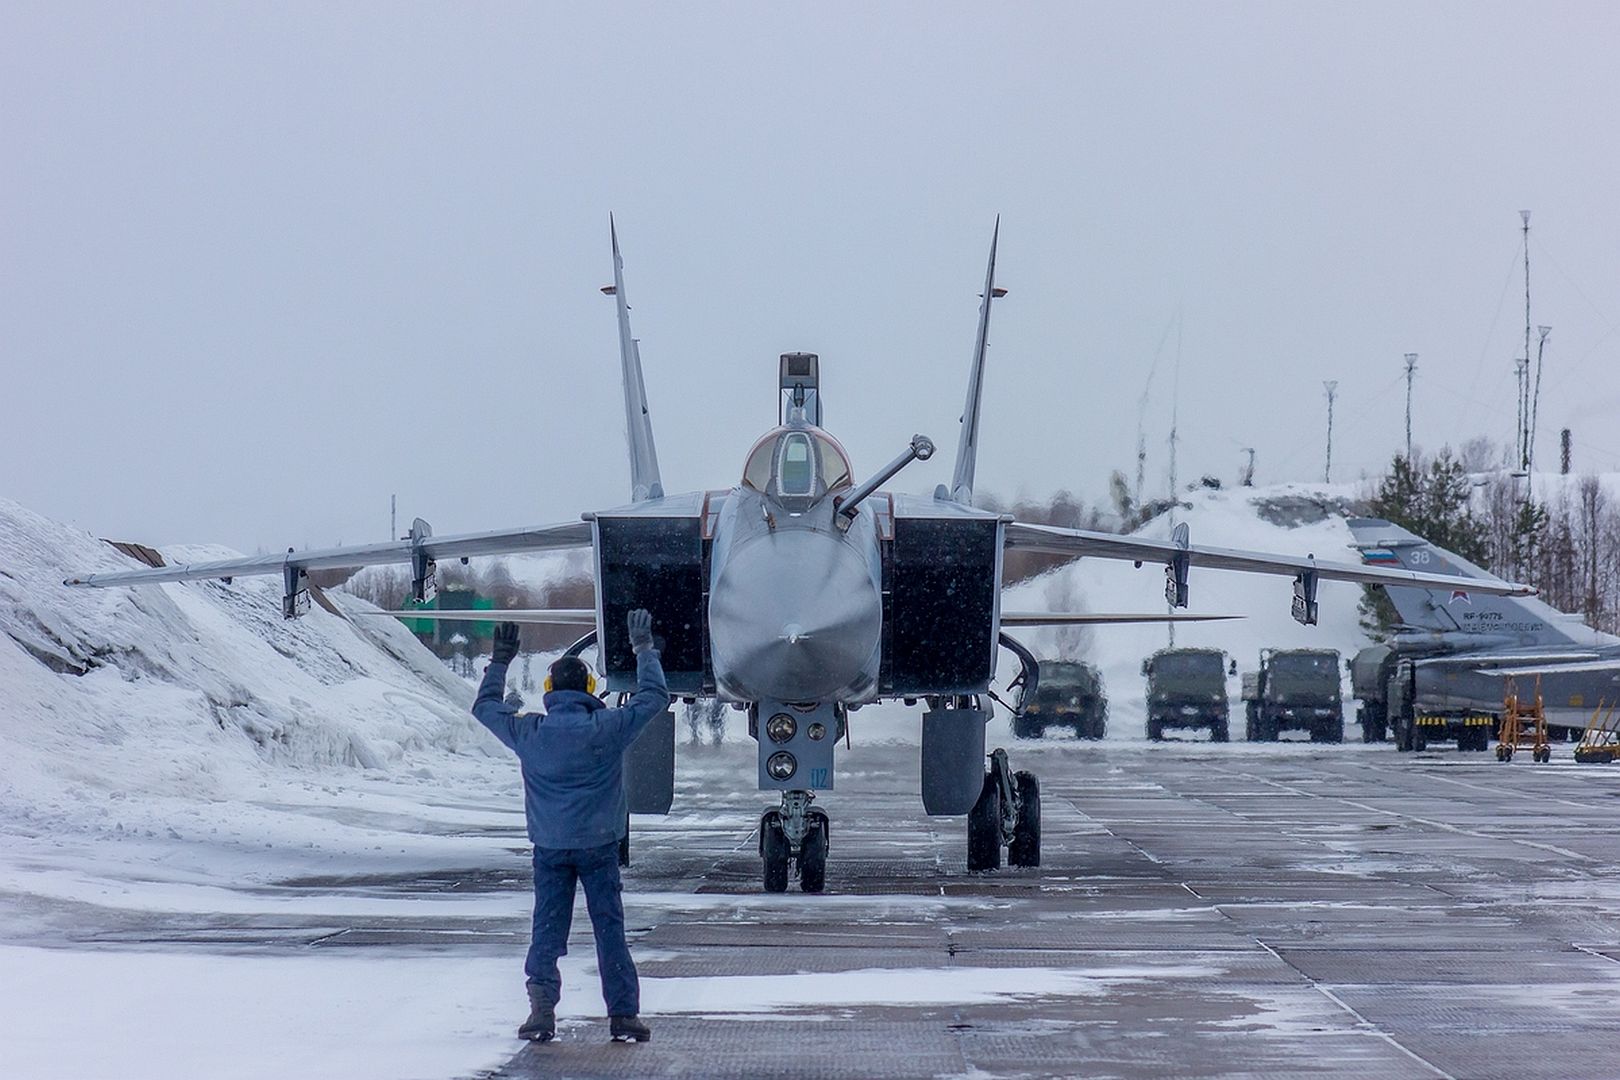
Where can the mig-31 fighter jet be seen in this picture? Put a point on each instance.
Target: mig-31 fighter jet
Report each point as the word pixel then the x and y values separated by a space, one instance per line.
pixel 804 592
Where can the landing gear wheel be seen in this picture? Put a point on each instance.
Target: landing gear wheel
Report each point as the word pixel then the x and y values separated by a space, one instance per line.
pixel 774 850
pixel 813 855
pixel 1025 849
pixel 984 829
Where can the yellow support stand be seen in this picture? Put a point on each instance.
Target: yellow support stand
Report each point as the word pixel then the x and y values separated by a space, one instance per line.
pixel 1600 742
pixel 1524 727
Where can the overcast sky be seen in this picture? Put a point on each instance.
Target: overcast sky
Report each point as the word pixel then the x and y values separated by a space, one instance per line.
pixel 263 265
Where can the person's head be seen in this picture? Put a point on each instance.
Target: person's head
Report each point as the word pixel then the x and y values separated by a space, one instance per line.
pixel 571 673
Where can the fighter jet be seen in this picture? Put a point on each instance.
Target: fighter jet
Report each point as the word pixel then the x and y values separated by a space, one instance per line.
pixel 1457 646
pixel 801 593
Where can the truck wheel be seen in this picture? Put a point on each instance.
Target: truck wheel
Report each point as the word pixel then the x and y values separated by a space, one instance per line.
pixel 1329 729
pixel 1155 729
pixel 984 829
pixel 1420 738
pixel 774 850
pixel 1218 731
pixel 1266 727
pixel 1025 849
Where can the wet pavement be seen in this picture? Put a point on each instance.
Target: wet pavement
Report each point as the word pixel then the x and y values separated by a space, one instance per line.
pixel 1201 911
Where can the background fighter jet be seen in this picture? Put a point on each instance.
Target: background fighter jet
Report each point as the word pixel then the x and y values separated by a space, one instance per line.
pixel 802 594
pixel 1456 645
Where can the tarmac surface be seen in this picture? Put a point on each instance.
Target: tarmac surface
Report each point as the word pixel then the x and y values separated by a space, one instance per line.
pixel 1201 911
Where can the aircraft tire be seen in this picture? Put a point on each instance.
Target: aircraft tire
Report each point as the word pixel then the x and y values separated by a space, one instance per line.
pixel 1025 849
pixel 813 858
pixel 774 851
pixel 984 829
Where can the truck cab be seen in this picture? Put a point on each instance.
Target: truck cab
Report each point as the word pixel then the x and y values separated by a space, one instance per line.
pixel 1186 688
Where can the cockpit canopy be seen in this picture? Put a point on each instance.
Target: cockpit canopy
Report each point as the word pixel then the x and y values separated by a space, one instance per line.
pixel 800 463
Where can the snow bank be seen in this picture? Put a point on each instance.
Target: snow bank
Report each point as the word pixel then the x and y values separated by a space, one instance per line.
pixel 118 706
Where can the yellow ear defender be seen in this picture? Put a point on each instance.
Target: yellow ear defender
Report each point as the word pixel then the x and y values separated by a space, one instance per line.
pixel 590 679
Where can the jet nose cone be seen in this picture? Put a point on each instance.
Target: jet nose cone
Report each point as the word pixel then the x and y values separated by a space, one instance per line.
pixel 794 616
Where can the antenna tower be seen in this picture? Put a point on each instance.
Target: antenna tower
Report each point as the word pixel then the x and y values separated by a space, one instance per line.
pixel 1332 388
pixel 1411 370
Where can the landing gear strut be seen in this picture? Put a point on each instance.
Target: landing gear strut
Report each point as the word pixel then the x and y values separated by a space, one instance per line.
pixel 1008 814
pixel 798 832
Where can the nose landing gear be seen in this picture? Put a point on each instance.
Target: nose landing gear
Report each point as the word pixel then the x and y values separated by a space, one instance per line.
pixel 795 832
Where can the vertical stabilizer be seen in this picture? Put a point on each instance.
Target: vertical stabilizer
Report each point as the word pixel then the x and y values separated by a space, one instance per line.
pixel 644 479
pixel 1525 620
pixel 967 449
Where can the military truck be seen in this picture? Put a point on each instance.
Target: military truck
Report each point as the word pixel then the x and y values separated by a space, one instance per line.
pixel 1294 690
pixel 1069 694
pixel 1186 688
pixel 1383 678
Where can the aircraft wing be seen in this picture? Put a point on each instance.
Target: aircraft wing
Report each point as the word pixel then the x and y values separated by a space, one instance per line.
pixel 1611 663
pixel 536 616
pixel 1079 542
pixel 1089 618
pixel 574 534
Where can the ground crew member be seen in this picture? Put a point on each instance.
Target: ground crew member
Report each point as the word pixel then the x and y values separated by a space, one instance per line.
pixel 573 797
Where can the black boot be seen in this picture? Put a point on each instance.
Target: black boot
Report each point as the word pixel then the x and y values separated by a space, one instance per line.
pixel 629 1029
pixel 541 1026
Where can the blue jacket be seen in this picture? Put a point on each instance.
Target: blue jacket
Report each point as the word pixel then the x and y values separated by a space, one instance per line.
pixel 573 754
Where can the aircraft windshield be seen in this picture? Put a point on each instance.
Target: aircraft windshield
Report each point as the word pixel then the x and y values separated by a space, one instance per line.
pixel 796 475
pixel 797 462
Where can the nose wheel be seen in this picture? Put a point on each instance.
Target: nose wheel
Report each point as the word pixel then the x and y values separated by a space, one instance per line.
pixel 794 833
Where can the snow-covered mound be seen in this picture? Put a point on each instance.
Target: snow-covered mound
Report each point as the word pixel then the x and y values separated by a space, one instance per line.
pixel 116 703
pixel 1291 519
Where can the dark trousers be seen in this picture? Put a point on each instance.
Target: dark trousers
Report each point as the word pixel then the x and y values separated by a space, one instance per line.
pixel 555 872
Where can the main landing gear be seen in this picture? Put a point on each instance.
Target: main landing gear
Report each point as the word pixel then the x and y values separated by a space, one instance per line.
pixel 795 833
pixel 1008 814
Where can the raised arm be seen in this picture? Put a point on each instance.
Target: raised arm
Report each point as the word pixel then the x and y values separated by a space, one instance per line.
pixel 489 707
pixel 652 695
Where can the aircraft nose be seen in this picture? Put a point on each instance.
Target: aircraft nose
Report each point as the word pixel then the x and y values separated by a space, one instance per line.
pixel 794 616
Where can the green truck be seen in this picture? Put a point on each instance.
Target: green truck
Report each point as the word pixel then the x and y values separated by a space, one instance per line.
pixel 1186 688
pixel 1068 694
pixel 1294 690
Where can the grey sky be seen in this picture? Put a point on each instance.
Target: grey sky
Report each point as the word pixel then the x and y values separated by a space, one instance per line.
pixel 261 266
